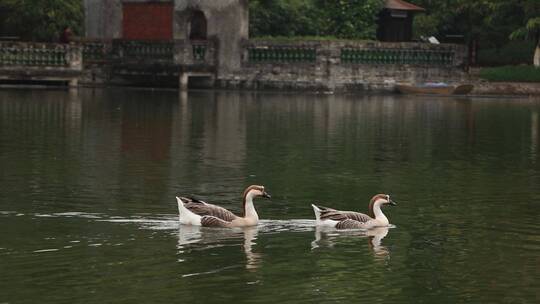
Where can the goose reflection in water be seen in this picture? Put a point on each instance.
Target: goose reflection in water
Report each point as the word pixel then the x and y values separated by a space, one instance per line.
pixel 328 237
pixel 197 237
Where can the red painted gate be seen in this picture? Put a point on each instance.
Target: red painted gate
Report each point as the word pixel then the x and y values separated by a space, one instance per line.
pixel 147 21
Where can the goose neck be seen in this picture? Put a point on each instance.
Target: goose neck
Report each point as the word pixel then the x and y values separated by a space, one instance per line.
pixel 249 208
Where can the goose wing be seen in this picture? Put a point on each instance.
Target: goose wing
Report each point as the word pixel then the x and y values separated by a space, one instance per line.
pixel 212 221
pixel 205 209
pixel 336 215
pixel 350 224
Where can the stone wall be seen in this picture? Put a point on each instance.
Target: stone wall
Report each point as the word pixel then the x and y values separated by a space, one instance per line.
pixel 103 19
pixel 310 65
pixel 344 65
pixel 506 88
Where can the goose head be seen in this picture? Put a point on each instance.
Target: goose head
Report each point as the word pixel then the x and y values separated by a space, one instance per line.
pixel 381 200
pixel 254 191
pixel 378 201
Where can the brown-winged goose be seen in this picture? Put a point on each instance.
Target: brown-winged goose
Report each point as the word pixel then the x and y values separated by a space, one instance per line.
pixel 354 220
pixel 196 212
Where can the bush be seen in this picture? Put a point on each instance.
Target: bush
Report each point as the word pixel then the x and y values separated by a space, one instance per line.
pixel 521 73
pixel 353 19
pixel 513 53
pixel 41 20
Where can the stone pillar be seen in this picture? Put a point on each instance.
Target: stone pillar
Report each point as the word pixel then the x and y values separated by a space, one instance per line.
pixel 183 81
pixel 73 82
pixel 537 56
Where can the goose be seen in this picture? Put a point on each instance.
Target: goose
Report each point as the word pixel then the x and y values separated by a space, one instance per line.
pixel 352 220
pixel 198 213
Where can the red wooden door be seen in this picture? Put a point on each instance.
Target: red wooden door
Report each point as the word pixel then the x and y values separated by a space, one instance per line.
pixel 147 21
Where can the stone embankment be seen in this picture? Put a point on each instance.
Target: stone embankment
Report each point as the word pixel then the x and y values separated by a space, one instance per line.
pixel 506 88
pixel 315 66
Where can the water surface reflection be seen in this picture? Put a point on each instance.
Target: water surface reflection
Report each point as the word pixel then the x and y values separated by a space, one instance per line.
pixel 89 178
pixel 329 237
pixel 201 238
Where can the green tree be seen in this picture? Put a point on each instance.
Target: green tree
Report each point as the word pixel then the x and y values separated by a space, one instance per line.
pixel 531 28
pixel 352 19
pixel 532 31
pixel 282 18
pixel 488 22
pixel 337 18
pixel 41 20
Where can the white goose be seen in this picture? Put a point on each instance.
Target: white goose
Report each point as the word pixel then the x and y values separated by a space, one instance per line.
pixel 196 212
pixel 354 220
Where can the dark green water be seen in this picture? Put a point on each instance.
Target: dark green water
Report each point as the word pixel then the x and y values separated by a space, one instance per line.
pixel 88 215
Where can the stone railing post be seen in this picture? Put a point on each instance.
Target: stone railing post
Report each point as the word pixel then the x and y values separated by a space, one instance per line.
pixel 74 56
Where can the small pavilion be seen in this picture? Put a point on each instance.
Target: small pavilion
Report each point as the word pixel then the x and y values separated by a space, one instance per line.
pixel 396 20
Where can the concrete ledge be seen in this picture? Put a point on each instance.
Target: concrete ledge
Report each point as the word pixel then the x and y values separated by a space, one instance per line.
pixel 506 88
pixel 36 73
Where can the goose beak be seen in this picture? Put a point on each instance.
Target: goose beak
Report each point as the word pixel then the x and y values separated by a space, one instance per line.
pixel 266 195
pixel 392 203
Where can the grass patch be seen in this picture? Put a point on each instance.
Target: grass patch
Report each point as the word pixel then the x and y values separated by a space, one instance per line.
pixel 519 73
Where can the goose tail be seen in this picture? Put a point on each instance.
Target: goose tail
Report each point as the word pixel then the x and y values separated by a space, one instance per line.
pixel 317 212
pixel 185 216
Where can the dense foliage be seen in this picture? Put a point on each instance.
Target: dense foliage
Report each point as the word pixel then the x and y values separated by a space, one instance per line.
pixel 514 52
pixel 488 23
pixel 521 73
pixel 353 19
pixel 41 20
pixel 285 18
pixel 493 21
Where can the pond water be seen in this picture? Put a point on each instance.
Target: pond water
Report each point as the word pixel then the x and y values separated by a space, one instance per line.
pixel 89 177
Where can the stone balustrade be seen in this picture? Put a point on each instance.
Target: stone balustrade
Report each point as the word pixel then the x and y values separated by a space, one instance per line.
pixel 28 61
pixel 95 51
pixel 396 56
pixel 140 50
pixel 26 54
pixel 319 65
pixel 173 52
pixel 344 65
pixel 281 54
pixel 353 52
pixel 195 52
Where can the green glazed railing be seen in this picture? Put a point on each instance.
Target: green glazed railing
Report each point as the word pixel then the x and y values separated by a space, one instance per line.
pixel 199 51
pixel 397 56
pixel 282 54
pixel 154 50
pixel 94 51
pixel 32 56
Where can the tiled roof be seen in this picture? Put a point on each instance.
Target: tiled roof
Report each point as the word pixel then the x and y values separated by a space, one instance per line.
pixel 402 5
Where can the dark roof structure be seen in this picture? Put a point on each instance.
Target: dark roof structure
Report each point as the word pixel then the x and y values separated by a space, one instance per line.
pixel 396 21
pixel 402 5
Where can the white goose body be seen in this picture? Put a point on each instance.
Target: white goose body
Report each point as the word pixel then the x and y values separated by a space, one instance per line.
pixel 354 220
pixel 198 213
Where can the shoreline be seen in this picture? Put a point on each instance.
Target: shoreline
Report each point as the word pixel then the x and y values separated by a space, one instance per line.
pixel 506 88
pixel 481 89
